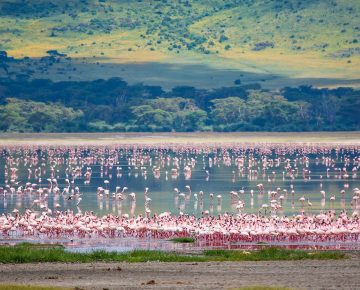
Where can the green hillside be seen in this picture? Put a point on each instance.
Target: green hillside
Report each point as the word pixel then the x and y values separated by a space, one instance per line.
pixel 288 38
pixel 182 65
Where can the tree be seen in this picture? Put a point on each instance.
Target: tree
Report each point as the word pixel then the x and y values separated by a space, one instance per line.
pixel 99 126
pixel 173 104
pixel 11 118
pixel 227 111
pixel 279 111
pixel 255 106
pixel 190 120
pixel 29 116
pixel 152 119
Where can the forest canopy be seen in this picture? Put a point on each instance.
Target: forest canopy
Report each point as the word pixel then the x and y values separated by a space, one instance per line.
pixel 42 105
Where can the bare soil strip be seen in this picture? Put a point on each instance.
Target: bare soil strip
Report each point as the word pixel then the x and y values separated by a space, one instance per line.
pixel 350 138
pixel 309 274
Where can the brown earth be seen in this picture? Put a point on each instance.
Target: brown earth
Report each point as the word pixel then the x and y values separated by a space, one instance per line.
pixel 331 274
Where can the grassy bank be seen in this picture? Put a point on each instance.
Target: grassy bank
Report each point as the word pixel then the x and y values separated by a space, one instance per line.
pixel 28 253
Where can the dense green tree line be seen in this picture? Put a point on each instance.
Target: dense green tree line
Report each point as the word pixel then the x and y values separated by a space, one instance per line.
pixel 113 105
pixel 28 116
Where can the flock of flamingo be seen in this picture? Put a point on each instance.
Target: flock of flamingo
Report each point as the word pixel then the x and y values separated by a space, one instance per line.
pixel 36 173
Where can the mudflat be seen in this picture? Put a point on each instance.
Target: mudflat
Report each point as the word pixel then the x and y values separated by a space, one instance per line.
pixel 308 274
pixel 344 138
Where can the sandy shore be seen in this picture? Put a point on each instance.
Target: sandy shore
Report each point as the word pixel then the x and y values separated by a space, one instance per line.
pixel 341 274
pixel 349 138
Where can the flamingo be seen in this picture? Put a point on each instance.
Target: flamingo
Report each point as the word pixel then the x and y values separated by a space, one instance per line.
pixel 302 200
pixel 219 198
pixel 309 203
pixel 133 196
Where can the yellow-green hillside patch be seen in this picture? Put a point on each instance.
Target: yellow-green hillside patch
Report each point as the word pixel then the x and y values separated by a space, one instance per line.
pixel 292 38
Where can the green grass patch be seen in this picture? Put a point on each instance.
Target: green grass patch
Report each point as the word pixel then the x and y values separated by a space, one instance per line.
pixel 28 253
pixel 183 240
pixel 273 254
pixel 29 287
pixel 42 246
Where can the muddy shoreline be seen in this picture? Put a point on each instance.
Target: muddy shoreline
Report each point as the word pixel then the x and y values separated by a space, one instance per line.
pixel 309 274
pixel 344 138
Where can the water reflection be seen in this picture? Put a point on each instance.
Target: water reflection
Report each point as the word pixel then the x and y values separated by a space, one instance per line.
pixel 145 181
pixel 128 244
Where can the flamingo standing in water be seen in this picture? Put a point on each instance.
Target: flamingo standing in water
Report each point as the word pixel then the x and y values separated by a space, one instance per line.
pixel 302 200
pixel 309 203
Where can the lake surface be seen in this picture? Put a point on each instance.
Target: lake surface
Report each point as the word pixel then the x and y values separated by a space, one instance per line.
pixel 214 171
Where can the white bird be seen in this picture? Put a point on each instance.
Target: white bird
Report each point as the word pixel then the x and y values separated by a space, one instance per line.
pixel 309 203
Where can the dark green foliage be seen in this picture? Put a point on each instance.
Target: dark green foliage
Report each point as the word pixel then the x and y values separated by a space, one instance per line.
pixel 272 254
pixel 237 82
pixel 183 240
pixel 28 116
pixel 114 106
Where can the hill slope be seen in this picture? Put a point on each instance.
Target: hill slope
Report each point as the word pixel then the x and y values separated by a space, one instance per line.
pixel 294 39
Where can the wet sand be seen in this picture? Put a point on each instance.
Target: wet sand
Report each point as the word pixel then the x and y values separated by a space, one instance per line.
pixel 331 274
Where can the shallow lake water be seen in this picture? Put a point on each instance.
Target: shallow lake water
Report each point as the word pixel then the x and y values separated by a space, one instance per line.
pixel 175 177
pixel 220 180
